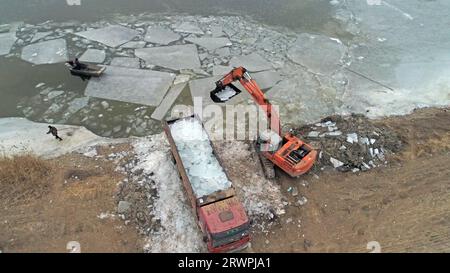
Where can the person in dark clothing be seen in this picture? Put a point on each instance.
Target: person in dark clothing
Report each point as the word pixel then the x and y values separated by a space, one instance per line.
pixel 52 130
pixel 76 64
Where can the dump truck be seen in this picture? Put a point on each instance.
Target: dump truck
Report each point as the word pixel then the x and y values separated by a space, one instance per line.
pixel 219 213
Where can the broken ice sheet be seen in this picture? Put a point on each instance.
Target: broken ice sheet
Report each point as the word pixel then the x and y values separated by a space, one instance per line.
pixel 40 35
pixel 252 62
pixel 131 85
pixel 221 70
pixel 210 44
pixel 48 52
pixel 174 57
pixel 160 35
pixel 126 62
pixel 112 36
pixel 168 100
pixel 204 170
pixel 318 53
pixel 302 99
pixel 7 40
pixel 93 56
pixel 189 27
pixel 77 104
pixel 266 79
pixel 134 44
pixel 217 31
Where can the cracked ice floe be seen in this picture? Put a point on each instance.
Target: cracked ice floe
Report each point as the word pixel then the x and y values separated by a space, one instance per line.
pixel 317 53
pixel 302 99
pixel 221 70
pixel 252 62
pixel 266 79
pixel 77 104
pixel 168 100
pixel 217 31
pixel 40 35
pixel 160 35
pixel 126 62
pixel 134 44
pixel 48 52
pixel 188 27
pixel 7 40
pixel 131 85
pixel 112 36
pixel 178 232
pixel 210 44
pixel 93 56
pixel 174 57
pixel 204 170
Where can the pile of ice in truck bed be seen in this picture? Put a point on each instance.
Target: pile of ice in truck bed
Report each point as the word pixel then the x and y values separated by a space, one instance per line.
pixel 203 169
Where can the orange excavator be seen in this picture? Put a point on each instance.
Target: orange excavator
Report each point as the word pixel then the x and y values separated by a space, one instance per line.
pixel 289 153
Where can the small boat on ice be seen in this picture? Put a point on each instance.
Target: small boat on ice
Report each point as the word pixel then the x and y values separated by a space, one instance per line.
pixel 89 70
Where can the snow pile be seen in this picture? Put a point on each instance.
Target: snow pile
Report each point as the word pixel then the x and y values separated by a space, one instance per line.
pixel 178 231
pixel 204 171
pixel 262 198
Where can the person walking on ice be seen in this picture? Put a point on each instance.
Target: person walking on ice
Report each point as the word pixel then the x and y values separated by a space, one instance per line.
pixel 52 130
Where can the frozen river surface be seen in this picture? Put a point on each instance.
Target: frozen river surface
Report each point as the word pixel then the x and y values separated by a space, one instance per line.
pixel 373 57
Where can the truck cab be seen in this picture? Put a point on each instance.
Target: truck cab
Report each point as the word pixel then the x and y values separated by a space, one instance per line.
pixel 226 225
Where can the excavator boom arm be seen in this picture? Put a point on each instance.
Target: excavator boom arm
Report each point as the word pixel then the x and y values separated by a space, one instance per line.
pixel 240 74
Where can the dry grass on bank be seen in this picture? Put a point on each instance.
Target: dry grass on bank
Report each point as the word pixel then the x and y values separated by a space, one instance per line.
pixel 23 177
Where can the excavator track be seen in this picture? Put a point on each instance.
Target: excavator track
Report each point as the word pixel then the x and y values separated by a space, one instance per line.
pixel 267 165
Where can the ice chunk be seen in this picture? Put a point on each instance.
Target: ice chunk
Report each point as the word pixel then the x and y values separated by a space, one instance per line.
pixel 217 31
pixel 189 27
pixel 318 53
pixel 313 134
pixel 54 94
pixel 48 52
pixel 210 44
pixel 226 93
pixel 352 138
pixel 77 104
pixel 126 62
pixel 221 70
pixel 174 57
pixel 181 78
pixel 266 79
pixel 336 163
pixel 160 35
pixel 7 40
pixel 203 169
pixel 93 56
pixel 40 35
pixel 131 85
pixel 168 100
pixel 134 44
pixel 223 52
pixel 112 36
pixel 252 62
pixel 302 98
pixel 202 88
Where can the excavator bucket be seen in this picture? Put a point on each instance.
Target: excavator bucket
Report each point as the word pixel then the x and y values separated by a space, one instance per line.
pixel 224 93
